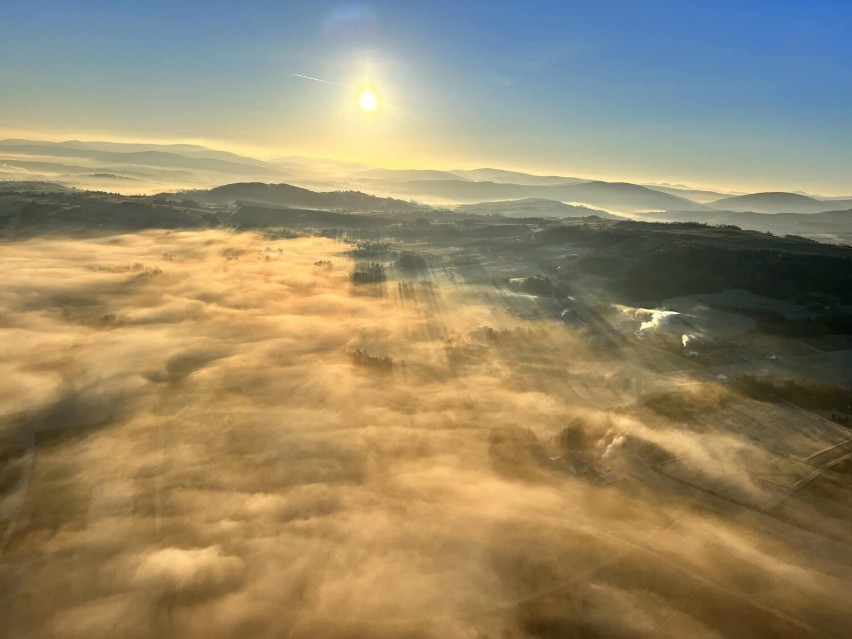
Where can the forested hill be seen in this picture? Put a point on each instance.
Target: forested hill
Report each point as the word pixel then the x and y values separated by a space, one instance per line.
pixel 294 196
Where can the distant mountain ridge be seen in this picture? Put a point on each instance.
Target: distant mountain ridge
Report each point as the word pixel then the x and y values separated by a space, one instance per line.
pixel 145 157
pixel 619 196
pixel 189 150
pixel 145 168
pixel 702 196
pixel 502 176
pixel 409 174
pixel 779 202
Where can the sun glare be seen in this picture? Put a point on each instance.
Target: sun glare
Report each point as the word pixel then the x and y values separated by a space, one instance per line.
pixel 367 101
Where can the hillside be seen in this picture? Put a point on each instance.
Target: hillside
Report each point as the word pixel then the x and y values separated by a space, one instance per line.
pixel 287 195
pixel 831 226
pixel 645 260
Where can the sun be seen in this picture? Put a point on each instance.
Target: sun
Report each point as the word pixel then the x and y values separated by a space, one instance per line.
pixel 368 101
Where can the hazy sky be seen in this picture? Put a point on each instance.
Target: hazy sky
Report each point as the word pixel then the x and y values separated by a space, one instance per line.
pixel 735 94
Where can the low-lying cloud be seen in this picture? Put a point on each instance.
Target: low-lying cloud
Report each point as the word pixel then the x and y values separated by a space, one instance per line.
pixel 194 451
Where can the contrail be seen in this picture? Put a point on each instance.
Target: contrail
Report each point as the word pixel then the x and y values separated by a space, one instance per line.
pixel 307 77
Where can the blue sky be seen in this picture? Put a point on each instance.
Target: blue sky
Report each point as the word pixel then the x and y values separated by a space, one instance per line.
pixel 730 94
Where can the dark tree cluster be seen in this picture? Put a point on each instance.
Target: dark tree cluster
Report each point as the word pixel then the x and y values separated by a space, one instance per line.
pixel 368 274
pixel 686 406
pixel 520 335
pixel 363 358
pixel 573 438
pixel 368 248
pixel 409 261
pixel 515 452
